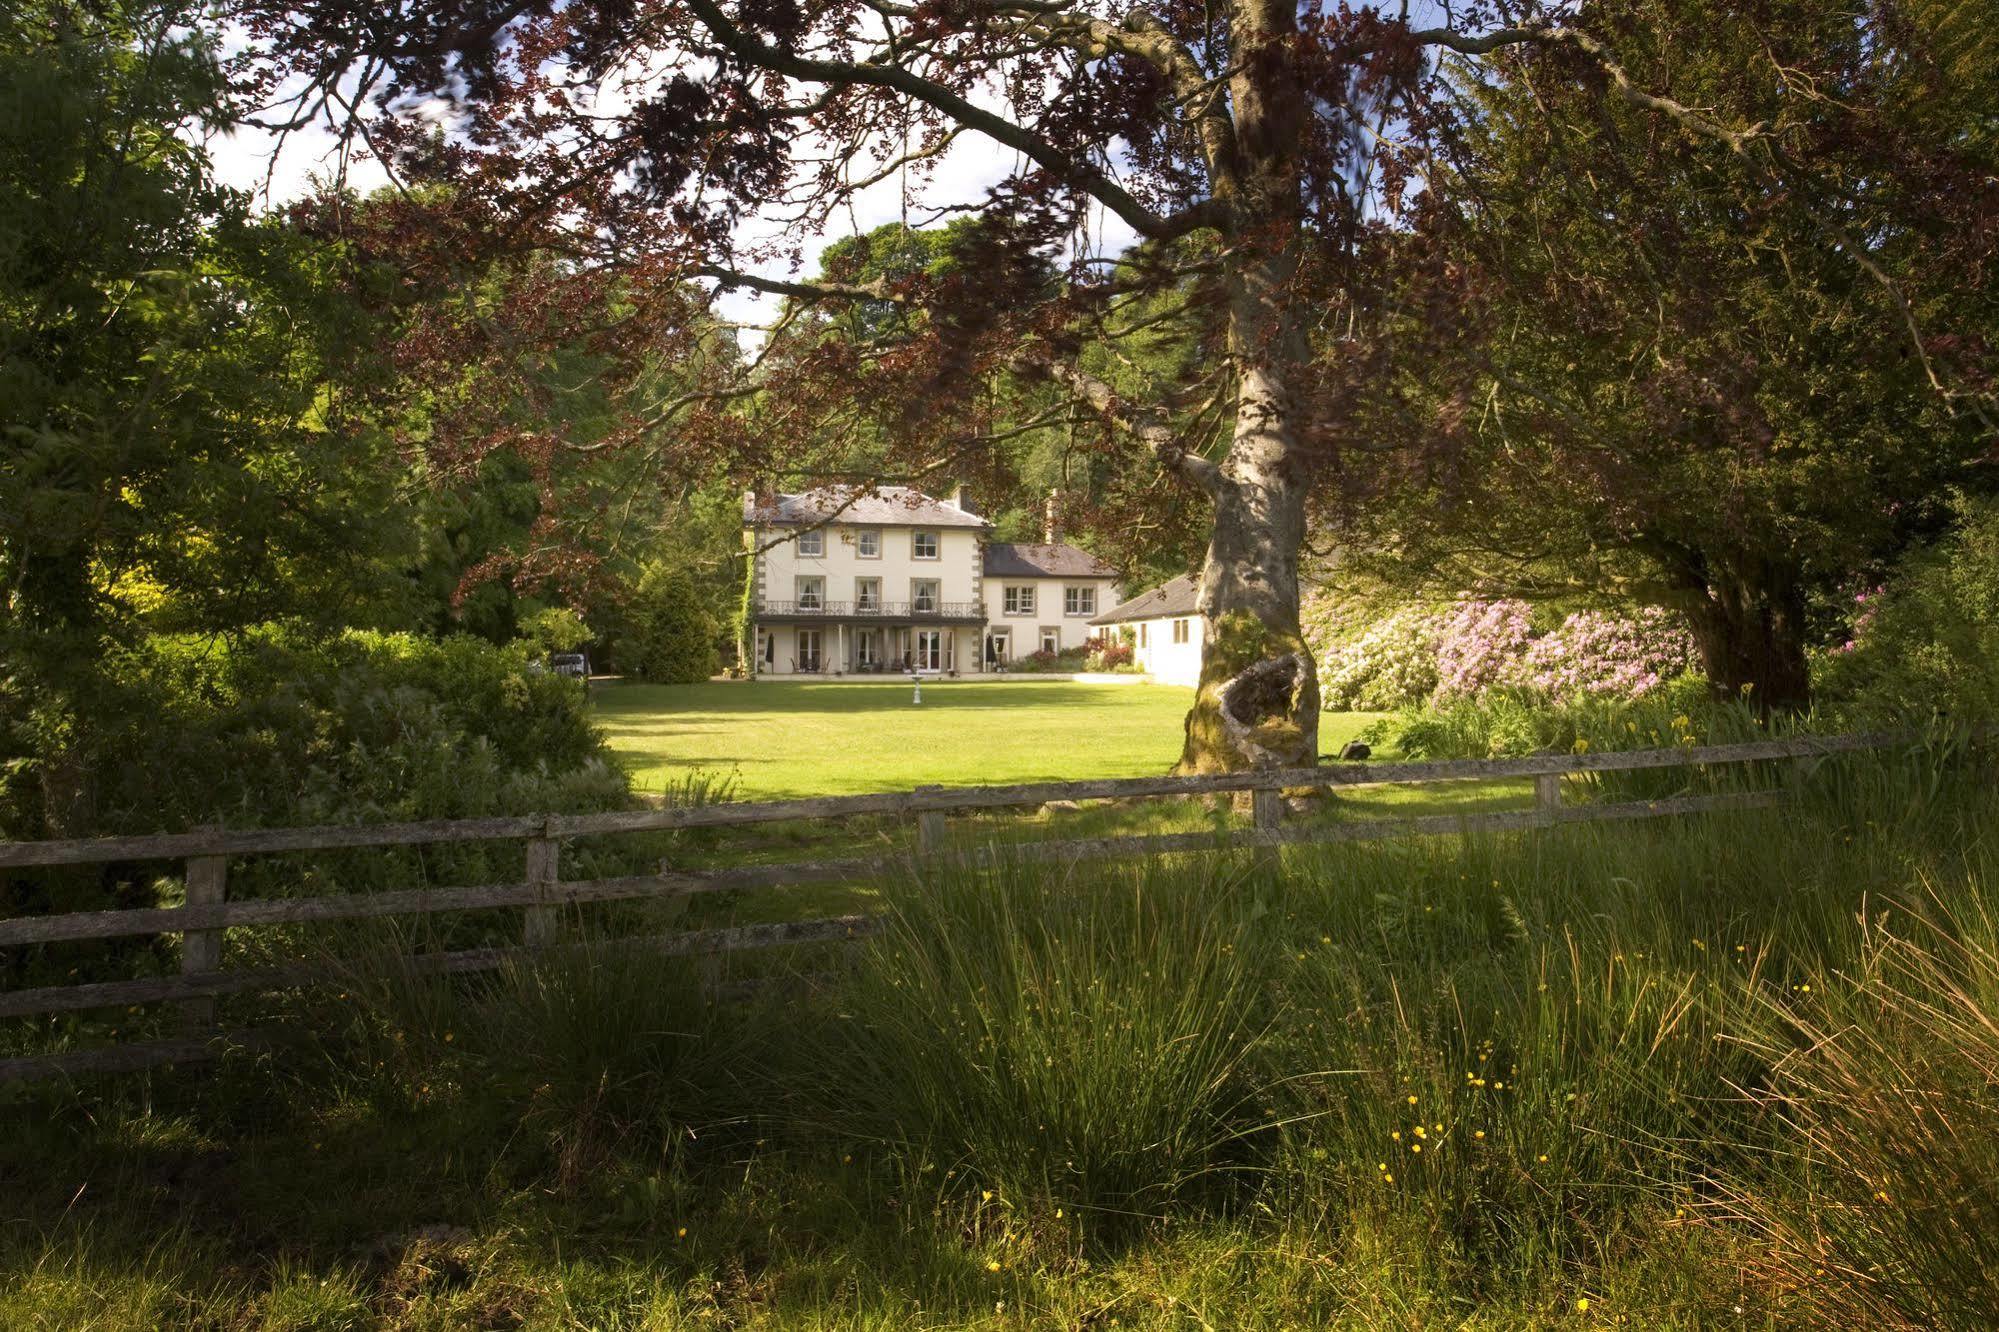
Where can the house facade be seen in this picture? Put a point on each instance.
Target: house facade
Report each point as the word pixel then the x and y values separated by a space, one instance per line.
pixel 1167 630
pixel 889 580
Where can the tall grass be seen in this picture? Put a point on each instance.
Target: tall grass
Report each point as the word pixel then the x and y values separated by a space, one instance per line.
pixel 1725 1071
pixel 1080 1038
pixel 1882 1206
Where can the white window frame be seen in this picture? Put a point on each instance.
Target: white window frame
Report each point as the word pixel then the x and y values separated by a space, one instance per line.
pixel 916 587
pixel 1051 638
pixel 867 647
pixel 1073 599
pixel 867 594
pixel 936 645
pixel 817 637
pixel 868 536
pixel 1017 599
pixel 916 540
pixel 812 544
pixel 811 591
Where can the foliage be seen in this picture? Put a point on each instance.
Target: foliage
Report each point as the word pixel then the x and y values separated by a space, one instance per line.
pixel 171 453
pixel 1512 723
pixel 1742 405
pixel 556 629
pixel 668 635
pixel 275 728
pixel 1928 644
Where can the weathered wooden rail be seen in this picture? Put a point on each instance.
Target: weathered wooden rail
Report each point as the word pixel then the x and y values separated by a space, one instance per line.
pixel 543 894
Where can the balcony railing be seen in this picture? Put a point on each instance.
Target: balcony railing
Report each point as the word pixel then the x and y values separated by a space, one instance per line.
pixel 816 609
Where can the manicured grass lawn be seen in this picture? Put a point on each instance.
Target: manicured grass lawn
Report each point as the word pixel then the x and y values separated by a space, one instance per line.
pixel 839 739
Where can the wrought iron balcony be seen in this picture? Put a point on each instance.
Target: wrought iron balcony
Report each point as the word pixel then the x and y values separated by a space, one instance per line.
pixel 955 612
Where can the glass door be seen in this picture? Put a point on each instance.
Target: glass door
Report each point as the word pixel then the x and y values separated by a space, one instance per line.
pixel 808 650
pixel 929 650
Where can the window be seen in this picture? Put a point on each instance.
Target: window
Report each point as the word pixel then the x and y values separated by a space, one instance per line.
pixel 812 545
pixel 1079 601
pixel 929 650
pixel 1051 639
pixel 1179 631
pixel 867 594
pixel 867 648
pixel 999 647
pixel 923 545
pixel 811 592
pixel 868 544
pixel 1018 600
pixel 1142 636
pixel 923 595
pixel 808 650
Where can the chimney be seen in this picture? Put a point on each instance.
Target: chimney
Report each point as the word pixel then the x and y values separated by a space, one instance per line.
pixel 1051 520
pixel 961 499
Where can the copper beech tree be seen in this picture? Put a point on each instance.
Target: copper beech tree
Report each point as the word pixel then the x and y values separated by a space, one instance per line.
pixel 1270 158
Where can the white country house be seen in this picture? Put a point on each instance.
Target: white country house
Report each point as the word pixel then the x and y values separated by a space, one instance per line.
pixel 860 582
pixel 1166 630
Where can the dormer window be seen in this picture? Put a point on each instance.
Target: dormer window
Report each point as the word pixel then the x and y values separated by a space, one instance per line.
pixel 812 545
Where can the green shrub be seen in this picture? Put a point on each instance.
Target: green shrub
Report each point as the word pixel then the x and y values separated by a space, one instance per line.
pixel 1928 644
pixel 273 730
pixel 668 635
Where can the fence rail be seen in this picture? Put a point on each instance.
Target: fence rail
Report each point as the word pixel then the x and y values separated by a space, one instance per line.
pixel 543 894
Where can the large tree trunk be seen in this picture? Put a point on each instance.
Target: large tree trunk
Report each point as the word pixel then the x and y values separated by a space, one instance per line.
pixel 1750 629
pixel 1258 704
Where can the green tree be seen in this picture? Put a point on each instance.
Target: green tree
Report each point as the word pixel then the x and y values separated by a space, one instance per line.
pixel 1721 389
pixel 669 634
pixel 171 456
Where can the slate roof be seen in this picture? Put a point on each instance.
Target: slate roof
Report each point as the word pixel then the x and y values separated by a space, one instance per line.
pixel 1006 559
pixel 884 506
pixel 1180 596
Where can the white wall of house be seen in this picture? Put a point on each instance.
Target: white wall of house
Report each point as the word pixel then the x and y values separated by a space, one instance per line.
pixel 1169 648
pixel 1028 622
pixel 840 566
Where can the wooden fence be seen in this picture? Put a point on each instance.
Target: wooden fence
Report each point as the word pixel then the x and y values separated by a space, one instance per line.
pixel 543 894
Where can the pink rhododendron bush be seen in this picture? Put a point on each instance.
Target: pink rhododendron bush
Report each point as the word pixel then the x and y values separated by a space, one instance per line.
pixel 1371 660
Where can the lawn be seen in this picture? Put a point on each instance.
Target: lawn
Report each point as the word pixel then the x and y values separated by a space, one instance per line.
pixel 839 739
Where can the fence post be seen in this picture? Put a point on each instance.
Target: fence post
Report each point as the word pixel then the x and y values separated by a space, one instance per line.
pixel 1266 807
pixel 543 871
pixel 201 950
pixel 1548 790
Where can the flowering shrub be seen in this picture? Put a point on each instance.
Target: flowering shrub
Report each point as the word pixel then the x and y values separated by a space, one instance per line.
pixel 1487 645
pixel 1483 645
pixel 1388 665
pixel 1601 655
pixel 1108 655
pixel 1476 649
